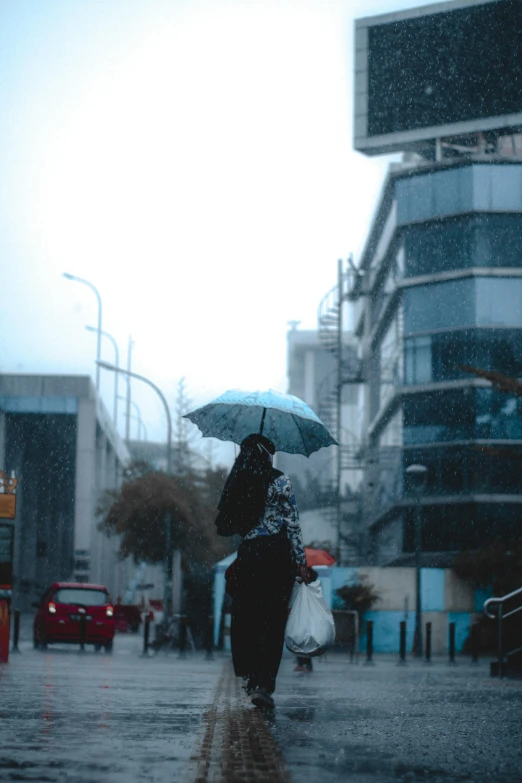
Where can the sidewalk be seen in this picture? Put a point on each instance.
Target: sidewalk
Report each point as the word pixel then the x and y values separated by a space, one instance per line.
pixel 387 723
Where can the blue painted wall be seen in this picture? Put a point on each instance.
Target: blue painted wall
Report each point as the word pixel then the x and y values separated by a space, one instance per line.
pixel 386 631
pixel 433 594
pixel 386 623
pixel 480 597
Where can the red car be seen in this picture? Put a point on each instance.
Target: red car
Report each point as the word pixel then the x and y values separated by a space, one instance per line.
pixel 61 613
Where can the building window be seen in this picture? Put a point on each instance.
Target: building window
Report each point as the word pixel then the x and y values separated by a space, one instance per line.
pixel 391 359
pixel 461 414
pixel 418 360
pixel 464 242
pixel 387 285
pixel 472 301
pixel 440 357
pixel 391 434
pixel 465 189
pixel 463 470
pixel 463 526
pixel 388 474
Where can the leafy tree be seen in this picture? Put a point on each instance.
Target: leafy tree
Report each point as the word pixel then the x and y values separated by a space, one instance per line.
pixel 137 512
pixel 359 596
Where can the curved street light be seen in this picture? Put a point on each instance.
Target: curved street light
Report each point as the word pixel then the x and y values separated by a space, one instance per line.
pixel 167 565
pixel 137 418
pixel 140 424
pixel 99 328
pixel 116 375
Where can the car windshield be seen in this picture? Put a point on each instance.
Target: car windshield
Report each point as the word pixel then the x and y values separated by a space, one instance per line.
pixel 76 595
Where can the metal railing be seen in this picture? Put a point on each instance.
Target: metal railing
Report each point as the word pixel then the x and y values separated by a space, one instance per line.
pixel 501 616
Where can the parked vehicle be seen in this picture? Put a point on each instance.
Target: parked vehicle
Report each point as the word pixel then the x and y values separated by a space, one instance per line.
pixel 127 617
pixel 71 612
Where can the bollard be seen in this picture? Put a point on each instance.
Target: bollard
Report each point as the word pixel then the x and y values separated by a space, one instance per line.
pixel 428 642
pixel 209 640
pixel 146 632
pixel 402 644
pixel 475 642
pixel 83 631
pixel 16 631
pixel 182 635
pixel 369 643
pixel 452 643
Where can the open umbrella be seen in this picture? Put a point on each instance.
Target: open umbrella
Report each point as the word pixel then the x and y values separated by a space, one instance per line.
pixel 318 557
pixel 287 421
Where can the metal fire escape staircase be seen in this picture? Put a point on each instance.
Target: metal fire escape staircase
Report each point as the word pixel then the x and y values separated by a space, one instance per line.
pixel 333 337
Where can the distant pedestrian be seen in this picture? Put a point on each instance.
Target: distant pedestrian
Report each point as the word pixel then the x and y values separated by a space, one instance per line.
pixel 269 558
pixel 304 664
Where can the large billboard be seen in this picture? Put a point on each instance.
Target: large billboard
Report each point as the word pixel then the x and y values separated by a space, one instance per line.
pixel 438 71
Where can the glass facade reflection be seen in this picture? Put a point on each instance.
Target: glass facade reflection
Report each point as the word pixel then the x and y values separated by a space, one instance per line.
pixel 467 469
pixel 461 414
pixel 461 190
pixel 471 301
pixel 434 358
pixel 459 526
pixel 463 242
pixel 461 227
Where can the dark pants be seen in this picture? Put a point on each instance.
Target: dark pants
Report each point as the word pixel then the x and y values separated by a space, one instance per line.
pixel 263 584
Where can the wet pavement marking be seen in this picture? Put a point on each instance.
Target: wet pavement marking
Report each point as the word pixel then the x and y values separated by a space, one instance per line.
pixel 237 745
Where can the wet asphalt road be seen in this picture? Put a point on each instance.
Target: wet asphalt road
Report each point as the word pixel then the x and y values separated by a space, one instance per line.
pixel 386 723
pixel 95 718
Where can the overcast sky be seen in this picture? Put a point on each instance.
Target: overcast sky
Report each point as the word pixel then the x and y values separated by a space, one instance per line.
pixel 194 161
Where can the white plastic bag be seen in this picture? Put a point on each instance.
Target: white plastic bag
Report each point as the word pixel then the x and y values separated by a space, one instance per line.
pixel 310 626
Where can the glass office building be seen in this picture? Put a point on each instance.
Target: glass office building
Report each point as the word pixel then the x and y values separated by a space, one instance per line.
pixel 442 291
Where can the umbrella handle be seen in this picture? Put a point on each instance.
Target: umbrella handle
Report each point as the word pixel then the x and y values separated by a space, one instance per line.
pixel 262 421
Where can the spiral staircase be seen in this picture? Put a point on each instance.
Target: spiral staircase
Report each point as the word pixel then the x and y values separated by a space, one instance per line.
pixel 335 339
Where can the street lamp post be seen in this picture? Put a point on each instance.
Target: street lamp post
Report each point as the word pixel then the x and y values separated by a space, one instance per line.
pixel 141 425
pixel 339 400
pixel 129 376
pixel 99 328
pixel 138 417
pixel 418 475
pixel 116 375
pixel 167 564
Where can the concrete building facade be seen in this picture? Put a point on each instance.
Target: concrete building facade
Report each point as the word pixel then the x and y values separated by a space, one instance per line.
pixel 312 376
pixel 56 434
pixel 309 367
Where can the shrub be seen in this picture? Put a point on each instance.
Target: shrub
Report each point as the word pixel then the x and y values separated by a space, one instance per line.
pixel 359 596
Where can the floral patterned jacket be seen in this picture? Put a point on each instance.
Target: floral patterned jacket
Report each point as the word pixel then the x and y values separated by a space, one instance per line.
pixel 280 511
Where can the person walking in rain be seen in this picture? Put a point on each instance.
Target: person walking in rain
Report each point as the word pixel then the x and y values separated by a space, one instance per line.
pixel 258 502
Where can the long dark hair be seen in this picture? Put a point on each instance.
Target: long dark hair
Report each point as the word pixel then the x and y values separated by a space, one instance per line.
pixel 246 487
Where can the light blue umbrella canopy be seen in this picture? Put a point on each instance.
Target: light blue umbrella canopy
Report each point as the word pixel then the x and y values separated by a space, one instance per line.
pixel 287 421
